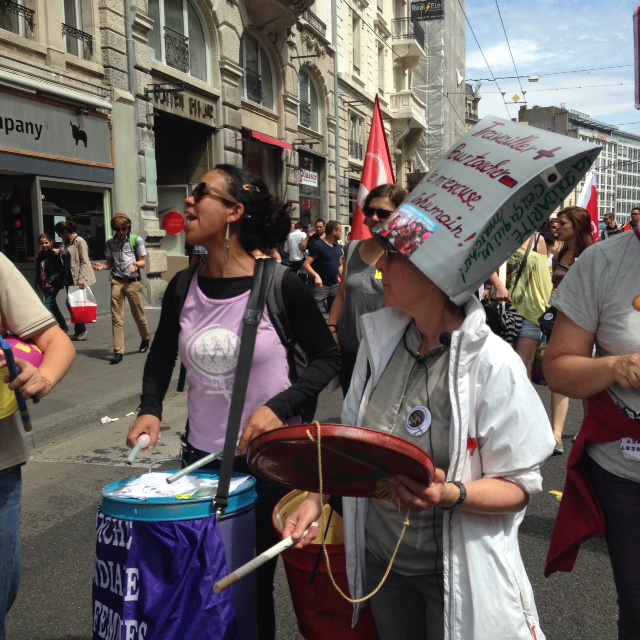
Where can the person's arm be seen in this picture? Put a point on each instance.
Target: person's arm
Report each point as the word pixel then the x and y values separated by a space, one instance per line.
pixel 501 292
pixel 488 495
pixel 336 312
pixel 158 369
pixel 83 258
pixel 59 355
pixel 570 370
pixel 140 256
pixel 309 269
pixel 303 244
pixel 107 266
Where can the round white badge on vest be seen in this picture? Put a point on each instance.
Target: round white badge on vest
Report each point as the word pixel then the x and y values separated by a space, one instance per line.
pixel 548 316
pixel 418 421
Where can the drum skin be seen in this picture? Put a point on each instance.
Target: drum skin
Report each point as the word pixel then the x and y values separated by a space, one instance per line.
pixel 354 460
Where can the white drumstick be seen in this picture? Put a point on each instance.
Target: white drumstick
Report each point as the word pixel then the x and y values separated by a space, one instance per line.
pixel 258 561
pixel 142 443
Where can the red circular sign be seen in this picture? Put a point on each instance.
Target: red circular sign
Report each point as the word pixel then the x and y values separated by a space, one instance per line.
pixel 173 222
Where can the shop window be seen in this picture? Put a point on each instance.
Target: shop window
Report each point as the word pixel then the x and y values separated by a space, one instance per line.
pixel 257 83
pixel 77 42
pixel 311 177
pixel 309 110
pixel 16 17
pixel 178 38
pixel 86 207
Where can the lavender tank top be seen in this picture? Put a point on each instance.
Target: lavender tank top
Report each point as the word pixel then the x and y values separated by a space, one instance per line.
pixel 209 343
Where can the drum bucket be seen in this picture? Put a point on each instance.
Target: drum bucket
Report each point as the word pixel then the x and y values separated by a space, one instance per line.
pixel 177 530
pixel 320 610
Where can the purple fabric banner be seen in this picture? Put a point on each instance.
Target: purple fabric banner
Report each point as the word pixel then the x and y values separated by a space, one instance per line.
pixel 154 581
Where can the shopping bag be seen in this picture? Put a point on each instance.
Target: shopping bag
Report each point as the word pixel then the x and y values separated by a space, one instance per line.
pixel 82 305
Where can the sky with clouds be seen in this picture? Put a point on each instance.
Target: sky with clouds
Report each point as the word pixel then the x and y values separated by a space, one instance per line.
pixel 556 40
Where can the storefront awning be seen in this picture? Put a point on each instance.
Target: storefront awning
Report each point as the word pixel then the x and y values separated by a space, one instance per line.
pixel 263 137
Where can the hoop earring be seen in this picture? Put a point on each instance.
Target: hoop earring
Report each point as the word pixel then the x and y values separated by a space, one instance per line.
pixel 226 244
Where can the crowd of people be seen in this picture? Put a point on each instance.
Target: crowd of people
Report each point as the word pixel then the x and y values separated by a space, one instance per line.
pixel 411 364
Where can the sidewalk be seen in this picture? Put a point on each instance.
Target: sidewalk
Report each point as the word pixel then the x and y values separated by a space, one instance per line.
pixel 93 388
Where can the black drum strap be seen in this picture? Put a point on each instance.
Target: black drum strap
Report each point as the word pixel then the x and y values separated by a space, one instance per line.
pixel 262 279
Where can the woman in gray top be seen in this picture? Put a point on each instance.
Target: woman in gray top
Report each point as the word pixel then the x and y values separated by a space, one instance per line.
pixel 360 289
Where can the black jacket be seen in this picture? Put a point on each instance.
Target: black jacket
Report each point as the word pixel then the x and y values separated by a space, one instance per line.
pixel 53 269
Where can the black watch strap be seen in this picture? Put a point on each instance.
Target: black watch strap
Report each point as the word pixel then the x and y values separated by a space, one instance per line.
pixel 461 499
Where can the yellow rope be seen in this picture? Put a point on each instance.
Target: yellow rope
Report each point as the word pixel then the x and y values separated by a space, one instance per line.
pixel 405 524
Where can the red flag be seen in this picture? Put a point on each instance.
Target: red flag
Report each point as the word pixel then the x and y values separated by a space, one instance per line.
pixel 377 170
pixel 589 201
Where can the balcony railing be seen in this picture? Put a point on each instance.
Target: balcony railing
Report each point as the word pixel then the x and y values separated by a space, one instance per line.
pixel 253 84
pixel 407 29
pixel 305 114
pixel 355 149
pixel 176 48
pixel 80 36
pixel 315 22
pixel 6 6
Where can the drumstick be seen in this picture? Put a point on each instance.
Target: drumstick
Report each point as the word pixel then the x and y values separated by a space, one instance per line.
pixel 14 372
pixel 142 443
pixel 192 467
pixel 258 561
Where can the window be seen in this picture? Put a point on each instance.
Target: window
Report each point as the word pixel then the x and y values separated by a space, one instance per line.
pixel 16 17
pixel 77 42
pixel 356 126
pixel 309 110
pixel 356 30
pixel 381 83
pixel 257 84
pixel 177 38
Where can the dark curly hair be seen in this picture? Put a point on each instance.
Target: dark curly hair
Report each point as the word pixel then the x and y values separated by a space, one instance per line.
pixel 394 192
pixel 266 222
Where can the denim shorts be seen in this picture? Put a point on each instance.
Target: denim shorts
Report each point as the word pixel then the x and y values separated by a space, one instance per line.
pixel 530 330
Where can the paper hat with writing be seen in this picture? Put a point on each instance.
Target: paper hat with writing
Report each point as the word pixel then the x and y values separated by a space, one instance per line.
pixel 483 199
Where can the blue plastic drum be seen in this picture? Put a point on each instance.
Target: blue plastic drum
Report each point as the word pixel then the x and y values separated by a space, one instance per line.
pixel 157 560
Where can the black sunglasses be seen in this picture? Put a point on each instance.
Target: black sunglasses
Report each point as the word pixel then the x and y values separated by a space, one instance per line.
pixel 121 229
pixel 382 214
pixel 201 191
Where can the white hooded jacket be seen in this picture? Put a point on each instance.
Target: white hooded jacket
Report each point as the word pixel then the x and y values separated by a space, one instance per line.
pixel 499 428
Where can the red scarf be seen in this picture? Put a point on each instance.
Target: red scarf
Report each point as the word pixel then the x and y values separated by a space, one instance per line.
pixel 580 517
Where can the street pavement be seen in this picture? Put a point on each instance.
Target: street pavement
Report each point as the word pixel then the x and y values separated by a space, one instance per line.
pixel 74 455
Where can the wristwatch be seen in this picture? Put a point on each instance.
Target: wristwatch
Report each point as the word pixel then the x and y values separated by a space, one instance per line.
pixel 461 499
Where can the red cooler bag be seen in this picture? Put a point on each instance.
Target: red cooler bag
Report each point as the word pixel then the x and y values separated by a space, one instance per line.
pixel 82 305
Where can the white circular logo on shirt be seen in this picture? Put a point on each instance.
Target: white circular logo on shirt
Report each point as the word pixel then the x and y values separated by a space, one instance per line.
pixel 214 351
pixel 418 421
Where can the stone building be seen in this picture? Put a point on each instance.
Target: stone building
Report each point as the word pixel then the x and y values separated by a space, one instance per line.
pixel 121 105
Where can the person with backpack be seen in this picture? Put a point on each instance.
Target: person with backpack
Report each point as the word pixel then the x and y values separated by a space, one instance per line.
pixel 232 214
pixel 125 258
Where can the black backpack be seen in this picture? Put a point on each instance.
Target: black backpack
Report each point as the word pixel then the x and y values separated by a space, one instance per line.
pixel 277 312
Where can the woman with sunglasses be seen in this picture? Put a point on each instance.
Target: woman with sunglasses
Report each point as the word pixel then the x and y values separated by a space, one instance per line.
pixel 233 216
pixel 432 373
pixel 360 289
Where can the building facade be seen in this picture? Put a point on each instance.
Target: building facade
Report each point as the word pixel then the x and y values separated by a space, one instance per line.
pixel 122 105
pixel 618 165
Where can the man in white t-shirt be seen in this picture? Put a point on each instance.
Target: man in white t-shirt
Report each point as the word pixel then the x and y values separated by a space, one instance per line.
pixel 125 258
pixel 292 247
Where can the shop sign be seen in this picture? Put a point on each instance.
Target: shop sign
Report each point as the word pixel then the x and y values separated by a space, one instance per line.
pixel 427 10
pixel 54 130
pixel 309 178
pixel 186 105
pixel 173 223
